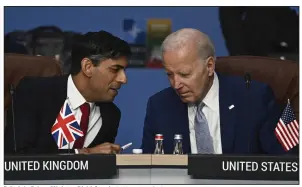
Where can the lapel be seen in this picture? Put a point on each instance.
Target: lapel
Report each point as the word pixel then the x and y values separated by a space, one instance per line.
pixel 96 116
pixel 227 116
pixel 104 113
pixel 109 122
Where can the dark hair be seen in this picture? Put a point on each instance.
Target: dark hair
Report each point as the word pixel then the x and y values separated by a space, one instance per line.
pixel 97 46
pixel 15 36
pixel 45 32
pixel 14 42
pixel 14 47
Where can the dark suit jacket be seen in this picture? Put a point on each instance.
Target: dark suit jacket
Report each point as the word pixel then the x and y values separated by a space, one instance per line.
pixel 37 104
pixel 247 128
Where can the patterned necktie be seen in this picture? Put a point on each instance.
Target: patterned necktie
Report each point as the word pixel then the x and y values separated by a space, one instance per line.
pixel 204 140
pixel 85 109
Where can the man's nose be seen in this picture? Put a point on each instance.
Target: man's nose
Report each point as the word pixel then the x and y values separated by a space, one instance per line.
pixel 176 83
pixel 122 78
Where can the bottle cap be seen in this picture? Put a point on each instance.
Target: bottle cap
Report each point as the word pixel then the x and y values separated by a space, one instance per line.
pixel 159 137
pixel 177 137
pixel 137 151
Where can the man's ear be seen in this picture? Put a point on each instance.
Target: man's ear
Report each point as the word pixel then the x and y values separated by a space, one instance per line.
pixel 86 67
pixel 210 65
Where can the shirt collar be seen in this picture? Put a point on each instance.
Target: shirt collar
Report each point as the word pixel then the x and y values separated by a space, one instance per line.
pixel 74 96
pixel 211 99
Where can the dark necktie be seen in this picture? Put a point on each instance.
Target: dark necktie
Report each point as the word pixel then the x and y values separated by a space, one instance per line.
pixel 85 109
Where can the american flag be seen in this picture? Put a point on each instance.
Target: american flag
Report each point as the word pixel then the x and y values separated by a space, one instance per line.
pixel 66 128
pixel 287 130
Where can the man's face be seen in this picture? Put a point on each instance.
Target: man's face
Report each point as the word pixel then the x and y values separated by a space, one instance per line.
pixel 107 78
pixel 188 74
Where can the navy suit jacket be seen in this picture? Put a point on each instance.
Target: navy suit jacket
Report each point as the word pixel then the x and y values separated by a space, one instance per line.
pixel 248 128
pixel 38 101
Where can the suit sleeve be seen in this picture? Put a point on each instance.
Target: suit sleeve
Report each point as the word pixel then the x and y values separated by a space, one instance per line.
pixel 25 112
pixel 148 131
pixel 268 139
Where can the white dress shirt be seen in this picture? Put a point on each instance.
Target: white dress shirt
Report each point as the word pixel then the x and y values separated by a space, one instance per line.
pixel 211 112
pixel 75 100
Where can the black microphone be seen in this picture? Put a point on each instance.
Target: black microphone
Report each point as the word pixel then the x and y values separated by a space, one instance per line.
pixel 247 78
pixel 12 92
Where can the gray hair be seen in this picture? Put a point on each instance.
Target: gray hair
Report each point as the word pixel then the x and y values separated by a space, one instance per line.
pixel 183 38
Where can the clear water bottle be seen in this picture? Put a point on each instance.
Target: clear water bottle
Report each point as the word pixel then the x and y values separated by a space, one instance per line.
pixel 159 144
pixel 178 144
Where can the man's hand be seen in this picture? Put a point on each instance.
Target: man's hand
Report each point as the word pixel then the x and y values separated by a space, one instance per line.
pixel 105 148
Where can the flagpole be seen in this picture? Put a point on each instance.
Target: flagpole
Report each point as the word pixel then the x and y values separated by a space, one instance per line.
pixel 69 148
pixel 67 100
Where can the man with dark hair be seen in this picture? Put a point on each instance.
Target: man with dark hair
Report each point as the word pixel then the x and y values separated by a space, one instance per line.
pixel 98 67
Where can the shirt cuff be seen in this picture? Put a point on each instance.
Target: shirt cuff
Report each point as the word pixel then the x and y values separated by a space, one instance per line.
pixel 76 151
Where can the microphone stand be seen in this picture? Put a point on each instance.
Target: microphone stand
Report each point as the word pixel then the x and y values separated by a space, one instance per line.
pixel 12 91
pixel 69 148
pixel 247 78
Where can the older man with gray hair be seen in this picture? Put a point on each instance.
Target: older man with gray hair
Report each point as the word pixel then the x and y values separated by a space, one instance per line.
pixel 214 113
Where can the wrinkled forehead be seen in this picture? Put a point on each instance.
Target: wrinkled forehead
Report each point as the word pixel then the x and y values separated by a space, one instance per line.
pixel 184 55
pixel 181 63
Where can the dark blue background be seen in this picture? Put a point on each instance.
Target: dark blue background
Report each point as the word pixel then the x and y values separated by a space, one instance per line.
pixel 142 83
